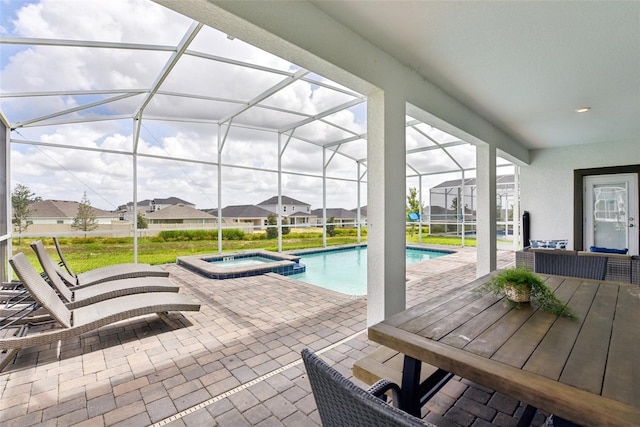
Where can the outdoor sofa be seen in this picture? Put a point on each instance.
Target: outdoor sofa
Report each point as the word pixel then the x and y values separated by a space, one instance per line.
pixel 617 267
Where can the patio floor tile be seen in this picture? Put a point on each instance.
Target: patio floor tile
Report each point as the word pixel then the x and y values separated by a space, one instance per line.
pixel 236 362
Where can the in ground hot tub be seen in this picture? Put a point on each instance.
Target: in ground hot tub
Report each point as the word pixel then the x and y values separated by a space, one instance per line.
pixel 242 264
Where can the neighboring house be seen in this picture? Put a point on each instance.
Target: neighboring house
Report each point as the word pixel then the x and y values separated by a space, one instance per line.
pixel 150 205
pixel 302 218
pixel 289 206
pixel 341 217
pixel 159 204
pixel 64 211
pixel 257 216
pixel 297 212
pixel 126 211
pixel 245 214
pixel 444 198
pixel 363 212
pixel 180 214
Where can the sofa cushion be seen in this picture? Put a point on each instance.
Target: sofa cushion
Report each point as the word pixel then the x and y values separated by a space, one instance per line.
pixel 603 250
pixel 609 255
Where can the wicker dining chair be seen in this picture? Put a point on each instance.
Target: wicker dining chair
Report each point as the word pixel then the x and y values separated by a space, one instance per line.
pixel 341 403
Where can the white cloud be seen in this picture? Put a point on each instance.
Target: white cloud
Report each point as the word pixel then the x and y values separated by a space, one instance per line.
pixel 107 178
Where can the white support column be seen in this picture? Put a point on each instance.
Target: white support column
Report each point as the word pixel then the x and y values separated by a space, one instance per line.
pixel 358 217
pixel 386 265
pixel 279 192
pixel 486 213
pixel 6 228
pixel 324 197
pixel 516 208
pixel 461 203
pixel 420 209
pixel 220 145
pixel 429 215
pixel 134 159
pixel 281 150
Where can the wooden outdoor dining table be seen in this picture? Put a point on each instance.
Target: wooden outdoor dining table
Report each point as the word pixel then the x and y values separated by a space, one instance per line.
pixel 586 371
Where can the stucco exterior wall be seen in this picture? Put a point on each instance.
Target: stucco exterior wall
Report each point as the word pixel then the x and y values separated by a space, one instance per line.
pixel 69 221
pixel 546 185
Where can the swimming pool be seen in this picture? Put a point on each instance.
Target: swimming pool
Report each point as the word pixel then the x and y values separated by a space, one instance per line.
pixel 345 270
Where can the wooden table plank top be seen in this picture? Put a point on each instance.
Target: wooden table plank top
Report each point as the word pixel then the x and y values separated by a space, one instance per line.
pixel 586 371
pixel 587 361
pixel 623 366
pixel 549 357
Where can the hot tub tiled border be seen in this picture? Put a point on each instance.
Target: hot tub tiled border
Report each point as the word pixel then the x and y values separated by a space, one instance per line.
pixel 283 264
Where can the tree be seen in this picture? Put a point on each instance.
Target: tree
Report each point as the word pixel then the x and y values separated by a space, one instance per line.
pixel 331 227
pixel 85 220
pixel 21 198
pixel 285 230
pixel 454 207
pixel 413 204
pixel 272 230
pixel 141 222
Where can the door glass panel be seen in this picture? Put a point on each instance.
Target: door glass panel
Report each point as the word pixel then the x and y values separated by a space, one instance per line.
pixel 610 215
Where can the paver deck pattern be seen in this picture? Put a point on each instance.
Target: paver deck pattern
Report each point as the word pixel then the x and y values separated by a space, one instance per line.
pixel 234 363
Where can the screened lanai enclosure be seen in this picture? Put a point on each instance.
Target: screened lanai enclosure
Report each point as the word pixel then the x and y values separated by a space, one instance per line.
pixel 128 100
pixel 452 207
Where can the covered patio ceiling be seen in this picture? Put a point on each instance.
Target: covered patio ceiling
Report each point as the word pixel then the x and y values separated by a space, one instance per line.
pixel 180 90
pixel 526 66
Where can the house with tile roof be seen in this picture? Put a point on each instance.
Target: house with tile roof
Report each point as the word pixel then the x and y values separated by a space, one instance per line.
pixel 180 214
pixel 152 205
pixel 159 204
pixel 147 206
pixel 56 216
pixel 63 212
pixel 296 211
pixel 256 216
pixel 251 215
pixel 289 205
pixel 342 217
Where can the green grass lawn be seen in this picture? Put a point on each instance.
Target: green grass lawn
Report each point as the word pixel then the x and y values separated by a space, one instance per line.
pixel 88 253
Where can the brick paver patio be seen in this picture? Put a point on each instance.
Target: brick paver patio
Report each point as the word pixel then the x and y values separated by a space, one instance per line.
pixel 234 363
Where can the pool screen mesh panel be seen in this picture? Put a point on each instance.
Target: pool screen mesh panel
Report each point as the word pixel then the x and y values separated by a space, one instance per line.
pixel 173 77
pixel 446 215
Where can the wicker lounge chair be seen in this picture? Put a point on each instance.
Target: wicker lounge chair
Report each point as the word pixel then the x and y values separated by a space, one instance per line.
pixel 342 403
pixel 100 291
pixel 105 274
pixel 71 323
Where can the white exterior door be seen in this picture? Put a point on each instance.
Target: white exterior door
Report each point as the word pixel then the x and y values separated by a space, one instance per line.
pixel 611 211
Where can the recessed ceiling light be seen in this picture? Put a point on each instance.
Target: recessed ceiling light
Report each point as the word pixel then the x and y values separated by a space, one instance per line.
pixel 582 109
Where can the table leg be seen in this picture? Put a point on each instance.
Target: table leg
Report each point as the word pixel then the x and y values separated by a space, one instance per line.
pixel 410 401
pixel 527 416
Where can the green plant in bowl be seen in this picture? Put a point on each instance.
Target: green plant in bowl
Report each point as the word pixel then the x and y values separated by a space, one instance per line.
pixel 520 285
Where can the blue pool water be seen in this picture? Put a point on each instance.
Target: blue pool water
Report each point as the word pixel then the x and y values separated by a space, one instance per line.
pixel 345 270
